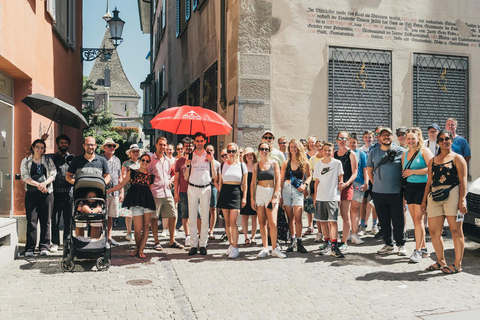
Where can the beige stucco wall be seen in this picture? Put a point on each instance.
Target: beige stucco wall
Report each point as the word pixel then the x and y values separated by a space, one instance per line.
pixel 286 65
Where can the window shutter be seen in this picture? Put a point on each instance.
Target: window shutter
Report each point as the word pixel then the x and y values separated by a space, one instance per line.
pixel 188 7
pixel 178 18
pixel 51 9
pixel 195 5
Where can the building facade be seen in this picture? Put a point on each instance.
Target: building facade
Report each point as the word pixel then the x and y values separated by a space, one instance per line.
pixel 306 67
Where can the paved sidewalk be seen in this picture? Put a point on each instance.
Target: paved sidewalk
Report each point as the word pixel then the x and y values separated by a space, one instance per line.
pixel 173 285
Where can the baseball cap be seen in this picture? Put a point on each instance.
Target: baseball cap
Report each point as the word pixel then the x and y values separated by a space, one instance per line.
pixel 435 126
pixel 268 131
pixel 385 129
pixel 401 129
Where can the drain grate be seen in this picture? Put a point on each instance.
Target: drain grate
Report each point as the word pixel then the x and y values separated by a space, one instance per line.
pixel 139 282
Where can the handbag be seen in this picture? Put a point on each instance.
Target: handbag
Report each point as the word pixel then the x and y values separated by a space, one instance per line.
pixel 442 194
pixel 409 164
pixel 39 178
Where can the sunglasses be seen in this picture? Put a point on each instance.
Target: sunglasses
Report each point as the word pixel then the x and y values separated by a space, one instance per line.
pixel 263 149
pixel 444 139
pixel 223 155
pixel 268 138
pixel 144 160
pixel 179 149
pixel 231 151
pixel 375 134
pixel 342 139
pixel 110 145
pixel 401 134
pixel 39 168
pixel 412 130
pixel 135 151
pixel 282 143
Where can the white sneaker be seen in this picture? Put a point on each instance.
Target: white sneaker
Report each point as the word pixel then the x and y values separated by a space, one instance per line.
pixel 385 250
pixel 130 236
pixel 53 248
pixel 361 231
pixel 163 234
pixel 416 256
pixel 187 241
pixel 263 253
pixel 29 254
pixel 44 252
pixel 229 250
pixel 234 254
pixel 278 254
pixel 356 239
pixel 402 251
pixel 319 237
pixel 375 230
pixel 349 238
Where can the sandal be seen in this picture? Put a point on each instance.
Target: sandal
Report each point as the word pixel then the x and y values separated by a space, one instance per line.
pixel 253 242
pixel 211 237
pixel 247 243
pixel 176 245
pixel 448 270
pixel 134 253
pixel 157 247
pixel 309 231
pixel 142 256
pixel 434 267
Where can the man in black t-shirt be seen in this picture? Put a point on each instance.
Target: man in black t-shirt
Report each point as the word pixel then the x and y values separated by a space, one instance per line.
pixel 92 163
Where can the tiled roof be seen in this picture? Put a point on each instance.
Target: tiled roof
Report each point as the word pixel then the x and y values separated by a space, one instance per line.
pixel 120 85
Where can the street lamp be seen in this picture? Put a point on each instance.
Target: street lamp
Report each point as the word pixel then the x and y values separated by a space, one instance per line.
pixel 115 25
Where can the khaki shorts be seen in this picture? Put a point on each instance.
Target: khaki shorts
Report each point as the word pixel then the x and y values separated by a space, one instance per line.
pixel 165 208
pixel 448 207
pixel 112 206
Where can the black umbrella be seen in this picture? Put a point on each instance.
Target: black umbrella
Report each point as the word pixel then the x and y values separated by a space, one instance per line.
pixel 55 110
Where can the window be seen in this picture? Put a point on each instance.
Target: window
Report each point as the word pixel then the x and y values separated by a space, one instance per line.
pixel 63 15
pixel 160 85
pixel 161 24
pixel 194 93
pixel 197 3
pixel 210 92
pixel 440 91
pixel 181 21
pixel 188 7
pixel 359 90
pixel 182 98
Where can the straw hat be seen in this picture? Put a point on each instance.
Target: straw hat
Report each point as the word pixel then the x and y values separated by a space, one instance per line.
pixel 107 142
pixel 132 147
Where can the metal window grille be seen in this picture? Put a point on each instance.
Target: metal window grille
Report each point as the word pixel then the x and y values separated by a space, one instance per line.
pixel 210 94
pixel 188 8
pixel 359 90
pixel 194 93
pixel 195 4
pixel 182 98
pixel 440 91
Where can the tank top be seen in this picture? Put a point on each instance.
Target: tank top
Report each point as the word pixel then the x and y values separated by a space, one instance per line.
pixel 298 173
pixel 417 164
pixel 268 174
pixel 346 164
pixel 444 174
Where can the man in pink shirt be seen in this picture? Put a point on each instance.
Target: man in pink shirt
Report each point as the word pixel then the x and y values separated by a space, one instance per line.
pixel 161 167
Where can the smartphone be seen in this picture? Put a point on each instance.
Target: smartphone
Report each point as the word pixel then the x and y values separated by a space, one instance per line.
pixel 460 217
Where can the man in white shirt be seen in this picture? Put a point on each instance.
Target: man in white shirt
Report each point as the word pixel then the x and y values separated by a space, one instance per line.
pixel 199 174
pixel 431 142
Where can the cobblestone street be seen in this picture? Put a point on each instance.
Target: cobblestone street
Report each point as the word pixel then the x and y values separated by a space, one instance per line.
pixel 171 284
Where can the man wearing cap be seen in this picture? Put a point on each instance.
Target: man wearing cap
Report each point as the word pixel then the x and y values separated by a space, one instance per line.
pixel 460 144
pixel 277 155
pixel 113 199
pixel 431 142
pixel 384 165
pixel 401 133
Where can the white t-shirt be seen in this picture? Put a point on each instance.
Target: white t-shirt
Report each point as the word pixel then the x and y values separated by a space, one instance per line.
pixel 200 170
pixel 327 175
pixel 366 149
pixel 433 146
pixel 233 173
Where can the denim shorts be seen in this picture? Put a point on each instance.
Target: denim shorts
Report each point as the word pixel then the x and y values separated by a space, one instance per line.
pixel 139 211
pixel 213 196
pixel 291 196
pixel 357 194
pixel 183 206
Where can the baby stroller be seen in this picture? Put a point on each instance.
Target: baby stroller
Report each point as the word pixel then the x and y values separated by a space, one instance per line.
pixel 81 247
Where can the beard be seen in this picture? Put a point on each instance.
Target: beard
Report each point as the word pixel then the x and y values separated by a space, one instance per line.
pixel 62 149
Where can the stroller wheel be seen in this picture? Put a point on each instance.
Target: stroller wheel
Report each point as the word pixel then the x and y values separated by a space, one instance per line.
pixel 102 264
pixel 68 266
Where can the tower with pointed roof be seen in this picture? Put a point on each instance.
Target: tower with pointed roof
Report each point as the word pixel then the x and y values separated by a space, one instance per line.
pixel 112 86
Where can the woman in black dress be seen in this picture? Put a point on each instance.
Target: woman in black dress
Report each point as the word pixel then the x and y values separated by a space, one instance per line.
pixel 249 159
pixel 140 201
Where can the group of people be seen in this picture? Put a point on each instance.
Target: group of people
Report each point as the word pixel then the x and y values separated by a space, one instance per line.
pixel 300 176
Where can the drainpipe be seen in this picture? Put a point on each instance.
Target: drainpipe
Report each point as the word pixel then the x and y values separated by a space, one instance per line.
pixel 223 53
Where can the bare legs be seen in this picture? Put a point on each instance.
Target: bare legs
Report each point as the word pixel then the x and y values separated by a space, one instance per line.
pixel 294 220
pixel 268 215
pixel 231 226
pixel 418 223
pixel 344 211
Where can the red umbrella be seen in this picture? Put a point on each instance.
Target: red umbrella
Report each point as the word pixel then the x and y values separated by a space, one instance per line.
pixel 190 120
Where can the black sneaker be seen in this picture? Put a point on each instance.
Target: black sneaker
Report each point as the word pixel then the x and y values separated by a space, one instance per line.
pixel 203 251
pixel 336 251
pixel 300 247
pixel 379 234
pixel 292 245
pixel 192 252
